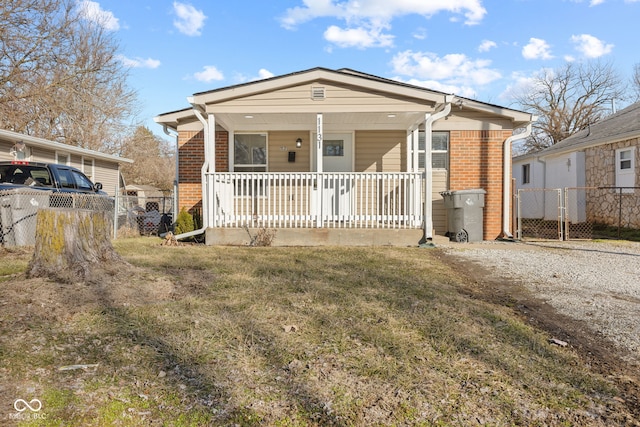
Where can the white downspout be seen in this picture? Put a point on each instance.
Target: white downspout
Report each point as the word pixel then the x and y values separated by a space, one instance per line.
pixel 428 167
pixel 174 211
pixel 203 171
pixel 506 177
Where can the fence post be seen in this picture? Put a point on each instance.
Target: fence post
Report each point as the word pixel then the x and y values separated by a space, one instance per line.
pixel 619 211
pixel 116 204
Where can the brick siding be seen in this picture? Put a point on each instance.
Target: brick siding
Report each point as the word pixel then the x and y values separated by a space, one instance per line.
pixel 190 160
pixel 476 159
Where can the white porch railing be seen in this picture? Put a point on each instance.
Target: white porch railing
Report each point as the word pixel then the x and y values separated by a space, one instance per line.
pixel 317 200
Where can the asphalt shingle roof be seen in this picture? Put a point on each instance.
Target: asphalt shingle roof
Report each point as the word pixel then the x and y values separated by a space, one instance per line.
pixel 624 124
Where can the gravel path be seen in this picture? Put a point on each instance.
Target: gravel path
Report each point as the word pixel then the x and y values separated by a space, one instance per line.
pixel 597 282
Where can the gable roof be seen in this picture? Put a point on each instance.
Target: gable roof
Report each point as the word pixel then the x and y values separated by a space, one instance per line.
pixel 216 98
pixel 620 126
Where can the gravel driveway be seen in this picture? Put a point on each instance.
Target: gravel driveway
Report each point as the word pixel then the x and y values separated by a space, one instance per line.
pixel 596 282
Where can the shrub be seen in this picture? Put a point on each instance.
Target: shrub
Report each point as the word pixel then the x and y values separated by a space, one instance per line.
pixel 184 222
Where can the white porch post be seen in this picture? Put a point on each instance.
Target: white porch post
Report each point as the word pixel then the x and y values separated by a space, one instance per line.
pixel 428 167
pixel 319 180
pixel 213 205
pixel 415 139
pixel 319 137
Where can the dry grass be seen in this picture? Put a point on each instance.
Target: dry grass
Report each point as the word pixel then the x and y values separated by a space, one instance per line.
pixel 199 335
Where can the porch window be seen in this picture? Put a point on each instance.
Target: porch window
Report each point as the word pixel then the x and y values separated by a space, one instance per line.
pixel 626 168
pixel 250 152
pixel 439 150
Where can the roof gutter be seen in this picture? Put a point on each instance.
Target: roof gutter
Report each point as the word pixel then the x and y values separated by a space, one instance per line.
pixel 506 176
pixel 203 171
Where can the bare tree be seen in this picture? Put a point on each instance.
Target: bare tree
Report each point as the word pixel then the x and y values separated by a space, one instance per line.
pixel 60 77
pixel 153 160
pixel 635 81
pixel 568 99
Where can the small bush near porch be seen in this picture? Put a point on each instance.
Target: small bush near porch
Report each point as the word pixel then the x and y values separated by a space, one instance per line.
pixel 194 336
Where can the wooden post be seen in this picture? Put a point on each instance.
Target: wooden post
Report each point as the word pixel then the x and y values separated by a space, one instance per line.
pixel 71 243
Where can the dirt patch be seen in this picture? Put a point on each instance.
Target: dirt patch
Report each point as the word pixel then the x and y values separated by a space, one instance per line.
pixel 47 299
pixel 594 349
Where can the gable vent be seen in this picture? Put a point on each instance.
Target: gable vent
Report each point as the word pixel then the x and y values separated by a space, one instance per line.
pixel 317 93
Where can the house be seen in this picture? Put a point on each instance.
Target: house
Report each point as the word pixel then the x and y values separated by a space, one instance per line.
pixel 338 157
pixel 599 164
pixel 99 167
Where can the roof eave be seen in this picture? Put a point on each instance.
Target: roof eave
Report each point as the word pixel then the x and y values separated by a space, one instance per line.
pixel 15 137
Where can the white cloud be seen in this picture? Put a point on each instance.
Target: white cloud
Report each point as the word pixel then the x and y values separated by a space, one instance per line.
pixel 377 14
pixel 590 46
pixel 139 62
pixel 521 84
pixel 209 74
pixel 453 71
pixel 357 37
pixel 595 2
pixel 190 20
pixel 486 45
pixel 91 11
pixel 465 91
pixel 420 34
pixel 537 49
pixel 264 74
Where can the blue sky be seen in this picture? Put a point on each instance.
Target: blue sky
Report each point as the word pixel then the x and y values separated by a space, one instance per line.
pixel 480 49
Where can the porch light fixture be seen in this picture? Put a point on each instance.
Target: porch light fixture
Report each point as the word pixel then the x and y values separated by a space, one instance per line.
pixel 298 142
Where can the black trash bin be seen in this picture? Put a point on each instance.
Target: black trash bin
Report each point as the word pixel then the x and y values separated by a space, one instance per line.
pixel 465 214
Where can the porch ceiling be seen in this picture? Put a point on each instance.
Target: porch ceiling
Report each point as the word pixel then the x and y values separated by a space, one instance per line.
pixel 344 121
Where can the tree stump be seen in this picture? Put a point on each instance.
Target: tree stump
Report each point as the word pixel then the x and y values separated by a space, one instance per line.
pixel 71 243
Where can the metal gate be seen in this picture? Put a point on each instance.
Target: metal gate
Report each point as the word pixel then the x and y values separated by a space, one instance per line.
pixel 539 213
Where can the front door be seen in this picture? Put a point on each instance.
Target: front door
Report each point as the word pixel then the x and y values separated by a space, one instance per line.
pixel 337 156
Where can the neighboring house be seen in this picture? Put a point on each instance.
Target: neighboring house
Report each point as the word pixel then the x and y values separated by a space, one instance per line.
pixel 99 167
pixel 338 157
pixel 606 154
pixel 143 191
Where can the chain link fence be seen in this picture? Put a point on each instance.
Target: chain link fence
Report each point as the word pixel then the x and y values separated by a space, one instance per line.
pixel 143 215
pixel 131 216
pixel 579 213
pixel 602 212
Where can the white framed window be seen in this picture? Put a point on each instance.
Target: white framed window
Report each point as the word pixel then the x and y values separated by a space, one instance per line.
pixel 250 152
pixel 88 166
pixel 526 173
pixel 63 158
pixel 626 168
pixel 250 155
pixel 439 150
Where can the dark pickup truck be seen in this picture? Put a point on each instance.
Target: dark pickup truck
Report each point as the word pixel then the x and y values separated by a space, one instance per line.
pixel 46 176
pixel 26 187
